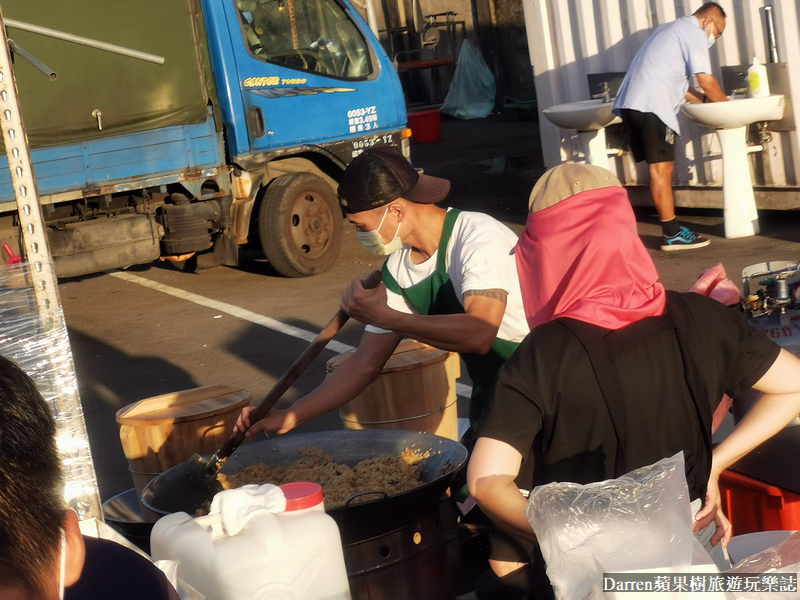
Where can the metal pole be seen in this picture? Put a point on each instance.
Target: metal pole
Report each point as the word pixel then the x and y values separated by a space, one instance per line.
pixel 35 62
pixel 773 44
pixel 372 19
pixel 76 39
pixel 81 489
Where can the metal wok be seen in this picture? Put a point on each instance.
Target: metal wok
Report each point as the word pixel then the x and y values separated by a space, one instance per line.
pixel 175 491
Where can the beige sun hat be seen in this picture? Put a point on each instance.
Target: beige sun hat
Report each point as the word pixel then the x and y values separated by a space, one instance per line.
pixel 564 181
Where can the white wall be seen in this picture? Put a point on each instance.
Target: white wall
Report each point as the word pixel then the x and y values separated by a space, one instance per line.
pixel 569 39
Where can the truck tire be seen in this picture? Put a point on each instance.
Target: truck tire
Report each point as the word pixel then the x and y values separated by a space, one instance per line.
pixel 300 225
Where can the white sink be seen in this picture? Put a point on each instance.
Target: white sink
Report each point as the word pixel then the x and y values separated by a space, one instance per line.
pixel 735 113
pixel 584 115
pixel 730 120
pixel 589 118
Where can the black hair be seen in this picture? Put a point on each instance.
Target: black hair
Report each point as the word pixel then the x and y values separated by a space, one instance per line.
pixel 709 7
pixel 31 484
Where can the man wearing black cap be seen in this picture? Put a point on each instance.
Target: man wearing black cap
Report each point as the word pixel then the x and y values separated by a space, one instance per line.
pixel 450 281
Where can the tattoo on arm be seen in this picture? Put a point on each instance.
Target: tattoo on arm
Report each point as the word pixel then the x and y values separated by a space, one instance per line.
pixel 496 294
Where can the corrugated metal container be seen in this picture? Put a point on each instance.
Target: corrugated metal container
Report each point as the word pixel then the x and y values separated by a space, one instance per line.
pixel 569 40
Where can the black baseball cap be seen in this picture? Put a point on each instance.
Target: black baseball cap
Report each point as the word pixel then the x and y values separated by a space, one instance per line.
pixel 381 175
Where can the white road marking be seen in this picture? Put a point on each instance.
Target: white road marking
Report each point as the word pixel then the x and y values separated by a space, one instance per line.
pixel 230 309
pixel 462 389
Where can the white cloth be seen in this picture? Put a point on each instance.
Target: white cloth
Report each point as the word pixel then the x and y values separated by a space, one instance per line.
pixel 236 507
pixel 478 258
pixel 658 78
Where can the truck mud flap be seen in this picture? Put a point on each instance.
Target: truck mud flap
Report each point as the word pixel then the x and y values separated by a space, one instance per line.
pixel 226 250
pixel 104 244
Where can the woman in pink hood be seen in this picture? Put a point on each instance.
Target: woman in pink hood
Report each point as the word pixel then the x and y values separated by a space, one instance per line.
pixel 617 373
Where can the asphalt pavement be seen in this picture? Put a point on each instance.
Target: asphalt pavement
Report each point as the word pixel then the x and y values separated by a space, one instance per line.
pixel 154 330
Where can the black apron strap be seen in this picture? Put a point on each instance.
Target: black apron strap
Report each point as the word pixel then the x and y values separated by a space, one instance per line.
pixel 677 308
pixel 601 347
pixel 605 372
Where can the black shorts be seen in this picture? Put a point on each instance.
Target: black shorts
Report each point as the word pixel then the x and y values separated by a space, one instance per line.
pixel 650 138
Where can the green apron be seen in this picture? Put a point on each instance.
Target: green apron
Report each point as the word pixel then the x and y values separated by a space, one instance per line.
pixel 436 296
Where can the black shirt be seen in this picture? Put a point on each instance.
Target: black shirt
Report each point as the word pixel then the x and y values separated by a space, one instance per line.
pixel 115 572
pixel 548 400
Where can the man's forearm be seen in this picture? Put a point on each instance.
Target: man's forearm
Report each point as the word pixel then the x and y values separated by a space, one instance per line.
pixel 692 95
pixel 336 391
pixel 458 333
pixel 349 379
pixel 713 91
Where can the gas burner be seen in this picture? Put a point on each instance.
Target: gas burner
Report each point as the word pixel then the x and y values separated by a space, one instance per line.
pixel 770 287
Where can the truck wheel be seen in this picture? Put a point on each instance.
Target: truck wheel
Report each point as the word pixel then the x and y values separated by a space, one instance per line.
pixel 300 225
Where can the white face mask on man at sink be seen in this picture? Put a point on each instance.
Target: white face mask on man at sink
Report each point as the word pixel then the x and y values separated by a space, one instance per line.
pixel 710 32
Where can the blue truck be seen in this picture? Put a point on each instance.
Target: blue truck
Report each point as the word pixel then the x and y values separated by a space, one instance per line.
pixel 244 131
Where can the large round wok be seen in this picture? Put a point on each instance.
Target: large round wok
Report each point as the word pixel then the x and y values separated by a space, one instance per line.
pixel 176 490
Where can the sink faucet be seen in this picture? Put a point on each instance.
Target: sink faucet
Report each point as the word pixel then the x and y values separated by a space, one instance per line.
pixel 605 94
pixel 742 91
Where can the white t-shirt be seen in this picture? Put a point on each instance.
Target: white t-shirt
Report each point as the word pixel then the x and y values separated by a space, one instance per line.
pixel 478 258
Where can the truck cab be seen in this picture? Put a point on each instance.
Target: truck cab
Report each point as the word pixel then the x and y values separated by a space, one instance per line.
pixel 243 131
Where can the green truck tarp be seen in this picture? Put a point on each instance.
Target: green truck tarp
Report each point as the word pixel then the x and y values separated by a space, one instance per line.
pixel 131 95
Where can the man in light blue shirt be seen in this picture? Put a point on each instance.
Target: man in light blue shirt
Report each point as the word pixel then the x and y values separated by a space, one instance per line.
pixel 649 99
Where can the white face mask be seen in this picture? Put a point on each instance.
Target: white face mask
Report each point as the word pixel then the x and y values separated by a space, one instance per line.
pixel 62 570
pixel 373 240
pixel 711 37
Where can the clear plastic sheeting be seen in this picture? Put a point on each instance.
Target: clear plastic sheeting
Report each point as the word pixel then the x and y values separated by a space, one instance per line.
pixel 640 521
pixel 39 343
pixel 780 559
pixel 473 88
pixel 785 554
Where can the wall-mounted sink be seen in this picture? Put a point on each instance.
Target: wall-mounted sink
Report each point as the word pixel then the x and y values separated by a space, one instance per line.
pixel 584 115
pixel 589 118
pixel 730 120
pixel 735 113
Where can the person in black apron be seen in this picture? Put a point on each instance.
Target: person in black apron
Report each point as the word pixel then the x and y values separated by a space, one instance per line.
pixel 449 281
pixel 617 373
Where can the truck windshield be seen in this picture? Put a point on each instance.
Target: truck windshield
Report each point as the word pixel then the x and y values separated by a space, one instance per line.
pixel 308 35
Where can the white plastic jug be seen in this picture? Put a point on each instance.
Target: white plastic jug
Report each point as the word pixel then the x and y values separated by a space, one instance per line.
pixel 290 555
pixel 757 80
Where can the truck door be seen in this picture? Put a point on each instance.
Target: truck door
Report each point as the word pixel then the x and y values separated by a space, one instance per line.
pixel 308 74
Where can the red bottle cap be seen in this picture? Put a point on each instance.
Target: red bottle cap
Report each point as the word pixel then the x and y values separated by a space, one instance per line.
pixel 301 494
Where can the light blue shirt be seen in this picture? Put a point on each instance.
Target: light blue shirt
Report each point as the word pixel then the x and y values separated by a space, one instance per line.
pixel 658 77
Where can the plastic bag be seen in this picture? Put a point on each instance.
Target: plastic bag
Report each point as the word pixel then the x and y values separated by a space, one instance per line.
pixel 472 90
pixel 785 554
pixel 641 520
pixel 714 283
pixel 780 560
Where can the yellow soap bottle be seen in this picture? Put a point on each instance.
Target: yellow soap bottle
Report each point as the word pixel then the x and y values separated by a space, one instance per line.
pixel 757 80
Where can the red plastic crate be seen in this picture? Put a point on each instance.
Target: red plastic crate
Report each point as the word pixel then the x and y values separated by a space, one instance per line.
pixel 752 505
